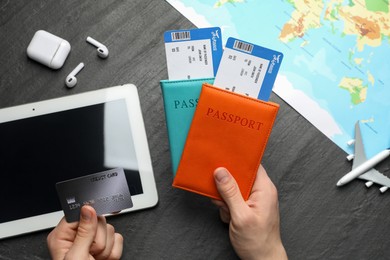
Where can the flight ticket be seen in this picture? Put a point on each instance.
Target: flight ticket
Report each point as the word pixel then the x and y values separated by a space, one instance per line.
pixel 248 69
pixel 193 53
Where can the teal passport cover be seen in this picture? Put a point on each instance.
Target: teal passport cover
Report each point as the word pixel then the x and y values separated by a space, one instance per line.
pixel 180 100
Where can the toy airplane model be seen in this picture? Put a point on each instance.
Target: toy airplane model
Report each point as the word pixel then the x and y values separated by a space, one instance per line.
pixel 363 168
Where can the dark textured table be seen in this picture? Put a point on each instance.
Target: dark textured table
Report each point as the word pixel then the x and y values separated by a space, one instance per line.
pixel 318 220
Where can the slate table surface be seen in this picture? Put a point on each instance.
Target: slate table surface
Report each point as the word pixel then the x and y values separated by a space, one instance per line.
pixel 318 220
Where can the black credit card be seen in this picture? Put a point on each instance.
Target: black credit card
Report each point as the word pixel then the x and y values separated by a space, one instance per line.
pixel 107 192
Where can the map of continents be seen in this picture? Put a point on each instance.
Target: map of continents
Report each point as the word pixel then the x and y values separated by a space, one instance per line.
pixel 369 23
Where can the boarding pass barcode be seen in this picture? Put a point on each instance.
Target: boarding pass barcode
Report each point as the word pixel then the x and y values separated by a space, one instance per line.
pixel 185 35
pixel 242 46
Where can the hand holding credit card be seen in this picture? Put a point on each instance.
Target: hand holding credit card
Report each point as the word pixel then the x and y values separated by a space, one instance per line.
pixel 107 192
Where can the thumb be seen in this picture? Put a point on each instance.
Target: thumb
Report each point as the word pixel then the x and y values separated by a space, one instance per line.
pixel 86 232
pixel 229 190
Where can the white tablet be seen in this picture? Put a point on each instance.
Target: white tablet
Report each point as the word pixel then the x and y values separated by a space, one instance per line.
pixel 59 139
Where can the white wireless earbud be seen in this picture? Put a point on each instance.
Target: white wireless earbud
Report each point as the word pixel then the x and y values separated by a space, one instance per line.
pixel 71 80
pixel 102 50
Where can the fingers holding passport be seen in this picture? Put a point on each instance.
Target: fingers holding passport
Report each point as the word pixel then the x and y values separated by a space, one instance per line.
pixel 253 224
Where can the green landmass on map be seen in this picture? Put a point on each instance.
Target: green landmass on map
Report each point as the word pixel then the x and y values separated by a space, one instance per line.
pixel 222 2
pixel 367 20
pixel 356 89
pixel 377 5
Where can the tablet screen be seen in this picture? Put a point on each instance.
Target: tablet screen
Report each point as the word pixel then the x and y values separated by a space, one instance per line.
pixel 38 152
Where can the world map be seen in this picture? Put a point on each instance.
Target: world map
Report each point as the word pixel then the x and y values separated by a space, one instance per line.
pixel 335 70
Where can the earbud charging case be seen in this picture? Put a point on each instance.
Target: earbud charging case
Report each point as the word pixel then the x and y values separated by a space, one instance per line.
pixel 48 49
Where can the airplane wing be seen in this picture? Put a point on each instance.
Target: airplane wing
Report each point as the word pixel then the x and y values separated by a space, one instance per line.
pixel 360 155
pixel 372 176
pixel 376 177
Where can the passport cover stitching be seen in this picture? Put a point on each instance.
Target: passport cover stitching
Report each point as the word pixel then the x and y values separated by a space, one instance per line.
pixel 173 116
pixel 268 134
pixel 262 144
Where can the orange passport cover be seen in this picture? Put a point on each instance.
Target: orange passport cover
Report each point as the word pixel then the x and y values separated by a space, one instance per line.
pixel 228 130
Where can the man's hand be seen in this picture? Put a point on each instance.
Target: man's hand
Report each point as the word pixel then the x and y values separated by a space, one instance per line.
pixel 254 224
pixel 91 238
